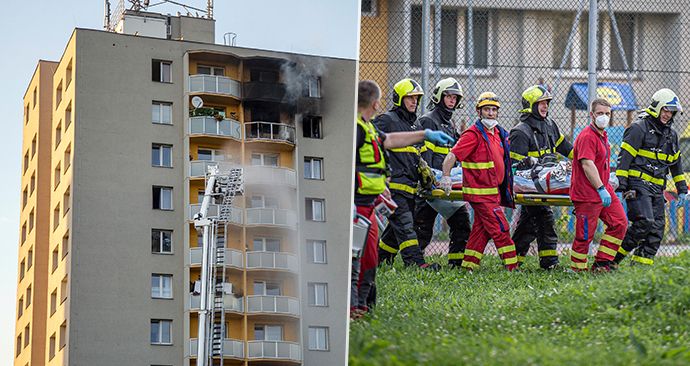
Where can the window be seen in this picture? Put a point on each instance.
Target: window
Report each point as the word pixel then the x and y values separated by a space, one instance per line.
pixel 63 290
pixel 162 198
pixel 263 202
pixel 312 168
pixel 416 36
pixel 29 259
pixel 26 161
pixel 66 202
pixel 210 70
pixel 51 348
pixel 63 335
pixel 33 183
pixel 68 115
pixel 27 335
pixel 20 307
pixel 480 25
pixel 161 155
pixel 161 286
pixel 53 302
pixel 161 113
pixel 28 296
pixel 55 258
pixel 35 96
pixel 211 154
pixel 266 76
pixel 318 294
pixel 264 159
pixel 56 217
pixel 313 87
pixel 58 94
pixel 68 157
pixel 26 114
pixel 266 288
pixel 368 8
pixel 58 175
pixel 31 220
pixel 33 147
pixel 65 245
pixel 19 345
pixel 266 245
pixel 161 241
pixel 161 71
pixel 161 331
pixel 449 38
pixel 23 233
pixel 268 332
pixel 22 269
pixel 626 27
pixel 317 251
pixel 311 127
pixel 25 196
pixel 318 338
pixel 68 74
pixel 58 134
pixel 315 209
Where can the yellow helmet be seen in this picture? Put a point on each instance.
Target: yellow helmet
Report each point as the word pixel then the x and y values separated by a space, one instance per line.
pixel 664 98
pixel 487 98
pixel 532 96
pixel 404 88
pixel 447 86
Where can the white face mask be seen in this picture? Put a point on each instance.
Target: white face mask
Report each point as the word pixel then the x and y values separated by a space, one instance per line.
pixel 489 123
pixel 602 121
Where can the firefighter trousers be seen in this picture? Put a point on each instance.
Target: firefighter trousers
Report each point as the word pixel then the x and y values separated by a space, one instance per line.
pixel 489 223
pixel 399 234
pixel 537 222
pixel 647 217
pixel 587 215
pixel 459 224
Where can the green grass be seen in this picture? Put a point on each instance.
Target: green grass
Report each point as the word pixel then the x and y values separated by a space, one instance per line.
pixel 638 316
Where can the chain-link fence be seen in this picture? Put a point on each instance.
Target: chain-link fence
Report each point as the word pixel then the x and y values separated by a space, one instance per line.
pixel 508 45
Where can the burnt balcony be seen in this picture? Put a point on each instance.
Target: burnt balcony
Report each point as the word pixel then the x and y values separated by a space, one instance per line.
pixel 269 132
pixel 263 91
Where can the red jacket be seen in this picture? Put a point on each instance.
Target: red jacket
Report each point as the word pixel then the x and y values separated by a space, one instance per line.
pixel 479 178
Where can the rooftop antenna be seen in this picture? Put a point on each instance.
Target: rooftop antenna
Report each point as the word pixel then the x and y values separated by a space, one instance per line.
pixel 106 11
pixel 209 9
pixel 229 38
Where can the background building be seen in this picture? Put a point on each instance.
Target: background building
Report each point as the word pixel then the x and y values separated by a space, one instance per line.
pixel 115 165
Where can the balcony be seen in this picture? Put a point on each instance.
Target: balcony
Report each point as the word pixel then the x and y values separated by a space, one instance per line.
pixel 270 132
pixel 274 350
pixel 274 176
pixel 207 125
pixel 214 85
pixel 271 216
pixel 230 303
pixel 199 168
pixel 231 348
pixel 235 213
pixel 272 260
pixel 233 258
pixel 262 304
pixel 261 91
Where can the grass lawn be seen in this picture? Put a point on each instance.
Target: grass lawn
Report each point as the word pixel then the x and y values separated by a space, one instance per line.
pixel 636 316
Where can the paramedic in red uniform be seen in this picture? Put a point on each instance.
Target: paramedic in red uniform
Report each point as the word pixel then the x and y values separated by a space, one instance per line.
pixel 484 154
pixel 593 196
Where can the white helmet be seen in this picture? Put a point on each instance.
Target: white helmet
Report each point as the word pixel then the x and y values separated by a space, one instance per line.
pixel 664 98
pixel 446 86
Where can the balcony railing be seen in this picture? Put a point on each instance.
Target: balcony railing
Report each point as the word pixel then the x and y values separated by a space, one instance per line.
pixel 236 216
pixel 272 260
pixel 214 84
pixel 270 175
pixel 274 350
pixel 269 131
pixel 273 304
pixel 230 303
pixel 231 348
pixel 207 125
pixel 271 216
pixel 198 168
pixel 233 258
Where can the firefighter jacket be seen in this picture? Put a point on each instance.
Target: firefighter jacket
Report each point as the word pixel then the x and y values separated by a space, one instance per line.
pixel 537 137
pixel 479 180
pixel 402 161
pixel 370 166
pixel 437 120
pixel 649 151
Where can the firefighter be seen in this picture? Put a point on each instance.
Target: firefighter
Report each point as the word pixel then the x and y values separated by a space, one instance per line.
pixel 648 152
pixel 370 181
pixel 537 138
pixel 484 153
pixel 593 196
pixel 445 99
pixel 399 235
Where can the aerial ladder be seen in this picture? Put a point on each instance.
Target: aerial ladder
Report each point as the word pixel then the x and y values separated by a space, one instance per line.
pixel 221 189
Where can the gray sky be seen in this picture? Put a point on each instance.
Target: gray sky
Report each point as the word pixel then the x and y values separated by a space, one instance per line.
pixel 40 29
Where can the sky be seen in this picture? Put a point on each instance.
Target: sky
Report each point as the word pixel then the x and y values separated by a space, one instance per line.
pixel 40 29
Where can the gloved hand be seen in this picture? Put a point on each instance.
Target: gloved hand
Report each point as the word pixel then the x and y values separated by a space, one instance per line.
pixel 526 163
pixel 605 196
pixel 445 184
pixel 438 137
pixel 683 197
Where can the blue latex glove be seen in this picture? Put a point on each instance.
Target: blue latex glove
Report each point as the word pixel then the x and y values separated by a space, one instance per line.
pixel 439 138
pixel 683 197
pixel 605 196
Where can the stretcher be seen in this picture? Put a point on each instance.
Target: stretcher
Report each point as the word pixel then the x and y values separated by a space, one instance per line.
pixel 527 199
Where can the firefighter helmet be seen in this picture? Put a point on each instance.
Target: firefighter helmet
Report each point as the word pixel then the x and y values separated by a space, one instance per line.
pixel 404 88
pixel 532 96
pixel 488 98
pixel 446 86
pixel 664 98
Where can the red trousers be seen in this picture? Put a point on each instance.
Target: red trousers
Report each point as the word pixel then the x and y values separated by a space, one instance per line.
pixel 369 259
pixel 489 223
pixel 587 215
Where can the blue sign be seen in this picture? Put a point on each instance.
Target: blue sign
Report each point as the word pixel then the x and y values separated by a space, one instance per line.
pixel 621 96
